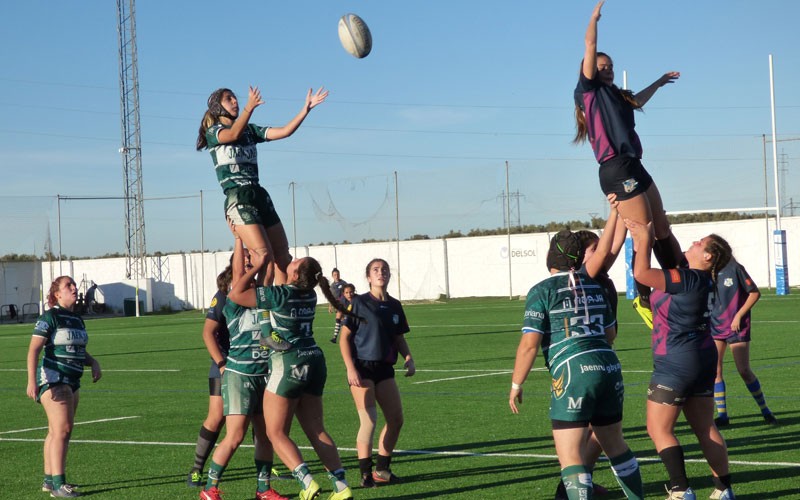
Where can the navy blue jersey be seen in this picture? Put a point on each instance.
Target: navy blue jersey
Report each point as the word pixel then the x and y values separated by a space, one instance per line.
pixel 681 313
pixel 221 334
pixel 374 339
pixel 734 286
pixel 609 120
pixel 337 289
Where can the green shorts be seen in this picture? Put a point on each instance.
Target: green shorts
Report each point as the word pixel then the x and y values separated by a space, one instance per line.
pixel 250 205
pixel 55 387
pixel 242 394
pixel 297 372
pixel 587 388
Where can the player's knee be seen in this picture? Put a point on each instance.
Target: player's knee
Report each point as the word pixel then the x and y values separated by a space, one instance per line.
pixel 368 417
pixel 264 252
pixel 395 420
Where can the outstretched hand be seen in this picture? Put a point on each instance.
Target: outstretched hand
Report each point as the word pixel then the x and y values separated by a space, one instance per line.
pixel 254 99
pixel 668 77
pixel 318 98
pixel 596 15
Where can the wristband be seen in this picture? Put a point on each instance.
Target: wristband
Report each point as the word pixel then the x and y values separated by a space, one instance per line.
pixel 222 363
pixel 516 386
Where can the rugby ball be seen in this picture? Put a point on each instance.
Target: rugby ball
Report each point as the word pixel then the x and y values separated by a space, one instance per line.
pixel 355 36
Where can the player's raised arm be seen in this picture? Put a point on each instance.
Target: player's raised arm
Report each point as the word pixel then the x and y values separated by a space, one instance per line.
pixel 590 54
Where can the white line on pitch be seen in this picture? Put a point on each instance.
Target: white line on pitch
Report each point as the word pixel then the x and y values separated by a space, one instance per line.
pixel 76 423
pixel 104 370
pixel 414 452
pixel 465 376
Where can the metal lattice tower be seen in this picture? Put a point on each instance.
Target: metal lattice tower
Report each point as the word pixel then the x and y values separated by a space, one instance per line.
pixel 131 141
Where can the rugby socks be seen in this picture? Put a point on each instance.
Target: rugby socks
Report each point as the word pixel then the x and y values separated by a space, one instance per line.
pixel 206 440
pixel 48 480
pixel 365 465
pixel 722 483
pixel 383 462
pixel 642 290
pixel 672 458
pixel 58 480
pixel 337 480
pixel 303 475
pixel 336 327
pixel 755 391
pixel 626 470
pixel 578 481
pixel 720 402
pixel 263 470
pixel 215 472
pixel 665 252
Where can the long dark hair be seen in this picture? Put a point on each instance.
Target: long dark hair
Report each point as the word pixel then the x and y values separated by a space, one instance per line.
pixel 581 130
pixel 225 278
pixel 211 116
pixel 309 275
pixel 721 254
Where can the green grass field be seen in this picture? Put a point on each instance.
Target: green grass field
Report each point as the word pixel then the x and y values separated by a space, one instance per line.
pixel 136 428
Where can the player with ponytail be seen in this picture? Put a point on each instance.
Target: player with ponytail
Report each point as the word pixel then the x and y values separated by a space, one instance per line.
pixel 227 134
pixel 604 117
pixel 297 372
pixel 684 356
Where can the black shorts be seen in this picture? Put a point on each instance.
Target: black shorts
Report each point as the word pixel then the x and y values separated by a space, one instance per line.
pixel 377 371
pixel 624 176
pixel 214 380
pixel 683 375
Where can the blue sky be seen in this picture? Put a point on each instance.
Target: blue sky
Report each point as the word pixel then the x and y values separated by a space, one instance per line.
pixel 450 92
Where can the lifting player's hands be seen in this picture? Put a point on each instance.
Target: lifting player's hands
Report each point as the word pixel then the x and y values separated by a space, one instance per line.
pixel 612 201
pixel 318 98
pixel 515 395
pixel 642 234
pixel 254 99
pixel 257 260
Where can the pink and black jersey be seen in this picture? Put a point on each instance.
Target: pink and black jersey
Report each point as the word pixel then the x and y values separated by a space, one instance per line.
pixel 609 120
pixel 734 286
pixel 681 313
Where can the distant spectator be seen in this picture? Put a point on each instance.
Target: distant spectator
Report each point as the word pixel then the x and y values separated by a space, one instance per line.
pixel 89 299
pixel 337 287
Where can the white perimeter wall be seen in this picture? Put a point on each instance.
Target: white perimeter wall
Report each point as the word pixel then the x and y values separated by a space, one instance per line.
pixel 425 269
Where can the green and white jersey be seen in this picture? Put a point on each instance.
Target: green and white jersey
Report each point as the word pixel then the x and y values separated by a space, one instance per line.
pixel 571 312
pixel 65 350
pixel 246 356
pixel 236 163
pixel 292 312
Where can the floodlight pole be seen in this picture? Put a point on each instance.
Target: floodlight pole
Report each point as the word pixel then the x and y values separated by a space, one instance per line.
pixel 397 231
pixel 294 220
pixel 202 256
pixel 60 271
pixel 508 233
